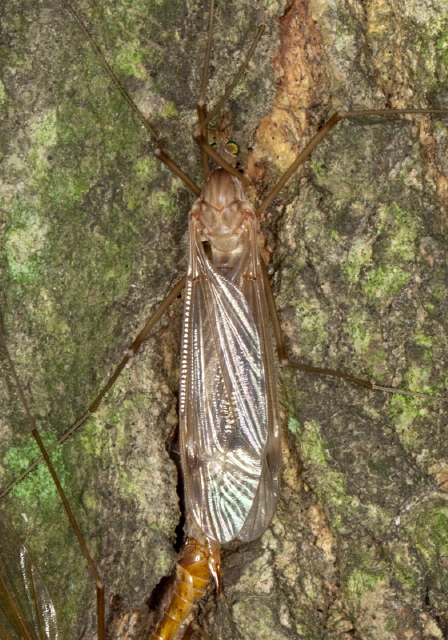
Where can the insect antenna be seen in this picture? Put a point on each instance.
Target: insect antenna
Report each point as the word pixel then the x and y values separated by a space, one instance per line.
pixel 200 135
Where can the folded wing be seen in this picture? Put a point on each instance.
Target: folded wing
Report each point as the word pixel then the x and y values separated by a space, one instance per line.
pixel 26 609
pixel 229 424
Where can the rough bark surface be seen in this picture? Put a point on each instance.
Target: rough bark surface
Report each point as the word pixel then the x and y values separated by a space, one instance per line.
pixel 94 235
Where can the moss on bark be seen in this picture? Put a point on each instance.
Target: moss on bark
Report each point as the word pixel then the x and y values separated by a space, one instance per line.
pixel 93 236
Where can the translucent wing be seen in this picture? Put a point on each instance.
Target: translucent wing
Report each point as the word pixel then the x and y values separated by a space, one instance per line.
pixel 228 408
pixel 26 609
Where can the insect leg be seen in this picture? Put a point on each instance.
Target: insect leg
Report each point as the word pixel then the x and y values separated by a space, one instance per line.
pixel 130 352
pixel 325 130
pixel 201 104
pixel 68 509
pixel 300 366
pixel 198 134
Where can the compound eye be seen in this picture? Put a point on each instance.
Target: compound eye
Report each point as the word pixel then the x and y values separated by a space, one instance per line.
pixel 231 147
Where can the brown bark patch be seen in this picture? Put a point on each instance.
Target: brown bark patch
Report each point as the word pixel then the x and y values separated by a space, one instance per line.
pixel 300 81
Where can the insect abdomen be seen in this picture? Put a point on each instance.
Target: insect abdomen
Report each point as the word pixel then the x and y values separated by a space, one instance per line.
pixel 193 574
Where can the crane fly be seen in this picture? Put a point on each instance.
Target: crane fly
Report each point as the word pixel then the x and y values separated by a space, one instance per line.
pixel 92 294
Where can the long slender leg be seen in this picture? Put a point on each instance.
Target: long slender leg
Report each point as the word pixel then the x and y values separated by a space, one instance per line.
pixel 286 362
pixel 201 104
pixel 159 153
pixel 300 159
pixel 68 509
pixel 204 119
pixel 174 168
pixel 199 137
pixel 111 73
pixel 325 130
pixel 130 353
pixel 228 92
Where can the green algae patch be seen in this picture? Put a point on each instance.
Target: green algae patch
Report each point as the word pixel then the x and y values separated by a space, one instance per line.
pixel 162 203
pixel 22 247
pixel 442 47
pixel 3 94
pixel 429 532
pixel 426 527
pixel 385 283
pixel 254 614
pixel 401 227
pixel 319 169
pixel 328 483
pixel 358 325
pixel 38 485
pixel 407 411
pixel 312 322
pixel 385 265
pixel 363 581
pixel 404 565
pixel 294 426
pixel 424 340
pixel 359 256
pixel 129 60
pixel 145 168
pixel 169 110
pixel 370 582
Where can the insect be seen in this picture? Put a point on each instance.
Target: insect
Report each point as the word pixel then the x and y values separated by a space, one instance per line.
pixel 361 334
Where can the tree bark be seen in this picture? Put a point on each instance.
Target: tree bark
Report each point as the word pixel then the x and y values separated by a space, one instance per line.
pixel 94 236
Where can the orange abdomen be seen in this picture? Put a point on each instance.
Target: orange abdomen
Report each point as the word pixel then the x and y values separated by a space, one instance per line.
pixel 197 565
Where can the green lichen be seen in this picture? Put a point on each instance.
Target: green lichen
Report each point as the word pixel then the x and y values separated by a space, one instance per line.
pixel 424 340
pixel 385 282
pixel 163 204
pixel 359 256
pixel 358 325
pixel 387 279
pixel 406 411
pixel 261 619
pixel 169 110
pixel 22 247
pixel 294 426
pixel 312 321
pixel 145 168
pixel 39 486
pixel 329 484
pixel 363 580
pixel 319 169
pixel 402 228
pixel 429 531
pixel 442 47
pixel 44 131
pixel 129 60
pixel 404 564
pixel 3 94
